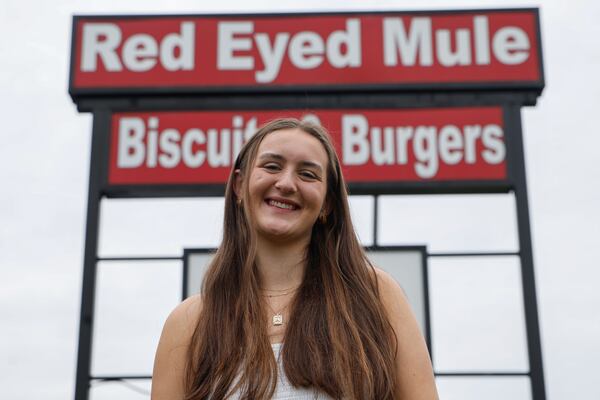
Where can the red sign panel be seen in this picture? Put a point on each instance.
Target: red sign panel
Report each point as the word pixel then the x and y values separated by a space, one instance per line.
pixel 197 147
pixel 482 48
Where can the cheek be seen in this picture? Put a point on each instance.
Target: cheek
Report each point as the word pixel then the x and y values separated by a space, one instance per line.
pixel 257 183
pixel 318 198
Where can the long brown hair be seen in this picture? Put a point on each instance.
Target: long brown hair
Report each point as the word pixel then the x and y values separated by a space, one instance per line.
pixel 338 339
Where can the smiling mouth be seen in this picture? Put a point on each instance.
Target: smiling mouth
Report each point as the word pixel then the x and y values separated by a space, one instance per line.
pixel 280 204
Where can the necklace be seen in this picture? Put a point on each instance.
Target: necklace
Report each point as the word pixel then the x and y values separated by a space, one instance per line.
pixel 277 318
pixel 279 290
pixel 279 294
pixel 283 292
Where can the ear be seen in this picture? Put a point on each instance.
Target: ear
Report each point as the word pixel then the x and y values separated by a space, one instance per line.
pixel 237 184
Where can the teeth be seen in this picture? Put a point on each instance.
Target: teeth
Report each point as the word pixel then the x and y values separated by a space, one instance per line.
pixel 281 205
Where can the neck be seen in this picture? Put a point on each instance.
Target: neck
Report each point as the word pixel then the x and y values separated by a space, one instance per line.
pixel 280 265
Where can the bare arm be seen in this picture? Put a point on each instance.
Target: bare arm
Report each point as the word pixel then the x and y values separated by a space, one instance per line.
pixel 415 373
pixel 169 362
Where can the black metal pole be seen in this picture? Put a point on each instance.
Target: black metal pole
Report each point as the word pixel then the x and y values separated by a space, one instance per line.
pixel 427 305
pixel 375 220
pixel 86 319
pixel 525 245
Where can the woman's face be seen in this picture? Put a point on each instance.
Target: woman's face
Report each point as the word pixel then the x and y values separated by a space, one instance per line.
pixel 287 185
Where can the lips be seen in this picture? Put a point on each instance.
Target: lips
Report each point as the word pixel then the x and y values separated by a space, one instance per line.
pixel 283 204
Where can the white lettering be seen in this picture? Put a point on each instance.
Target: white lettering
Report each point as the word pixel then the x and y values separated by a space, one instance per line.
pixel 184 41
pixel 241 136
pixel 349 38
pixel 191 159
pixel 171 153
pixel 429 146
pixel 152 142
pixel 511 45
pixel 472 133
pixel 169 148
pixel 100 40
pixel 355 147
pixel 238 139
pixel 451 144
pixel 131 150
pixel 142 143
pixel 140 52
pixel 397 42
pixel 492 139
pixel 271 56
pixel 402 46
pixel 403 135
pixel 218 155
pixel 382 148
pixel 306 50
pixel 482 40
pixel 227 44
pixel 425 149
pixel 251 128
pixel 462 53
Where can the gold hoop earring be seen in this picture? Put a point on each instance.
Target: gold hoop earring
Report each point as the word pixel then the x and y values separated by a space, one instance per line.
pixel 239 201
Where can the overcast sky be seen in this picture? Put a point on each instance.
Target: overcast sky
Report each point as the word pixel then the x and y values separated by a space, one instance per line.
pixel 44 167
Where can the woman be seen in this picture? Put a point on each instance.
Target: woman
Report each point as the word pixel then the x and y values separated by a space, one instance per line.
pixel 290 306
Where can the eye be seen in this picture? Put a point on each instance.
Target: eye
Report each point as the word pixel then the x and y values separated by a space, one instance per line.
pixel 309 174
pixel 271 166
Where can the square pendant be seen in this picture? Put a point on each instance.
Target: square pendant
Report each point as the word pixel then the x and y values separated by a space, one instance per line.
pixel 278 319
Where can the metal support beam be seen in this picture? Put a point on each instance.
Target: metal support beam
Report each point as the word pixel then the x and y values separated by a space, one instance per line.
pixel 86 318
pixel 534 347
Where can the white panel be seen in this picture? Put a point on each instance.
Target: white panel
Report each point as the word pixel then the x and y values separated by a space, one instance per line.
pixel 484 388
pixel 449 222
pixel 478 322
pixel 197 266
pixel 361 211
pixel 406 267
pixel 144 227
pixel 132 304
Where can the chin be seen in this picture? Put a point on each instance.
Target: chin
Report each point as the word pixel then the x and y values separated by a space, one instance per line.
pixel 277 233
pixel 280 234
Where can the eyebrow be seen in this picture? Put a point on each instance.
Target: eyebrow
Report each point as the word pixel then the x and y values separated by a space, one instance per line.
pixel 279 157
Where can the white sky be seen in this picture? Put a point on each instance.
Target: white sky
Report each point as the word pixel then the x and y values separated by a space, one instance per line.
pixel 44 167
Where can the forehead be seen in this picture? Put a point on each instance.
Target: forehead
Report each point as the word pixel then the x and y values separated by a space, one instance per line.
pixel 294 145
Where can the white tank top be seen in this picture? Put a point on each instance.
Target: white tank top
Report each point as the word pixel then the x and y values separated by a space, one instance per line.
pixel 284 390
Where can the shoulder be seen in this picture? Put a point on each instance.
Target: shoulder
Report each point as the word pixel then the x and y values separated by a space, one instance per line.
pixel 184 317
pixel 390 291
pixel 181 322
pixel 172 350
pixel 396 304
pixel 415 373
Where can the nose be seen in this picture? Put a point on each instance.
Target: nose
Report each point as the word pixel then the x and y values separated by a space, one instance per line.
pixel 286 182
